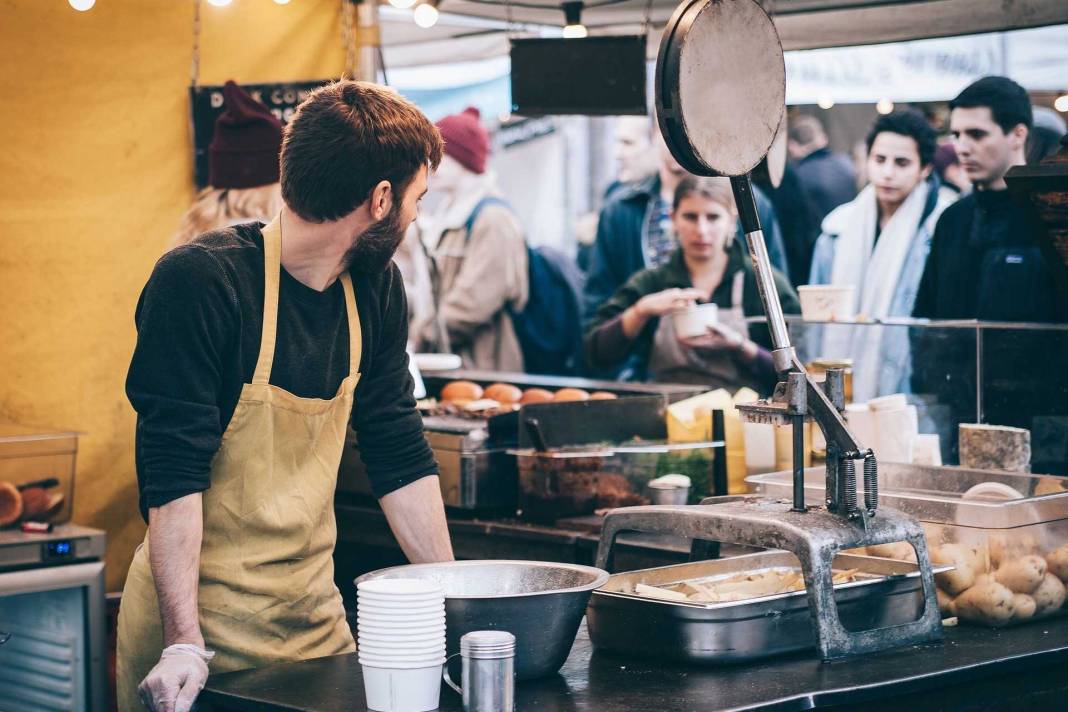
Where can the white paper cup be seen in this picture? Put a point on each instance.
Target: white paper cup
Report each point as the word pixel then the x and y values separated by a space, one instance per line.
pixel 381 618
pixel 399 626
pixel 397 644
pixel 399 587
pixel 374 636
pixel 404 597
pixel 402 654
pixel 401 662
pixel 695 320
pixel 395 607
pixel 393 628
pixel 390 651
pixel 393 690
pixel 826 302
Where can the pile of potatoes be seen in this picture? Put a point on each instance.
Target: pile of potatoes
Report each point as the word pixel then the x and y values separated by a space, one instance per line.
pixel 995 583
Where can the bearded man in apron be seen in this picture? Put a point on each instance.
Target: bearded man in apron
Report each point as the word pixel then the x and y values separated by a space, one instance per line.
pixel 257 346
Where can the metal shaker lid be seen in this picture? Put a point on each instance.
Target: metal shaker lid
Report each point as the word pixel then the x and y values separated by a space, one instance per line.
pixel 488 645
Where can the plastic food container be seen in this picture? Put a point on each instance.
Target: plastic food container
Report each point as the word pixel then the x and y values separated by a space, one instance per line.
pixel 826 302
pixel 40 463
pixel 569 482
pixel 1005 534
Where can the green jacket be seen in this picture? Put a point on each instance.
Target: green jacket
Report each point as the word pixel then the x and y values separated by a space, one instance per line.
pixel 675 275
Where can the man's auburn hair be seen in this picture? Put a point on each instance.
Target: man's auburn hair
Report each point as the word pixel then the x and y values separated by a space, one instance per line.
pixel 344 139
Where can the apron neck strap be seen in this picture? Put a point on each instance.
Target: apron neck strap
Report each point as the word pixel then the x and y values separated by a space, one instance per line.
pixel 272 265
pixel 355 330
pixel 738 288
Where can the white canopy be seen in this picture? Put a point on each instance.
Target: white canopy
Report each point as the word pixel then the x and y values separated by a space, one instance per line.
pixel 920 70
pixel 479 29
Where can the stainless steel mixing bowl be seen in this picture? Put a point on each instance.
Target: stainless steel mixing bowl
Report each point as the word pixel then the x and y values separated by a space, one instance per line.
pixel 540 602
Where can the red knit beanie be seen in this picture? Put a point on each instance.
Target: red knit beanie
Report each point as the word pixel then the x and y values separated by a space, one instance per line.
pixel 245 146
pixel 466 139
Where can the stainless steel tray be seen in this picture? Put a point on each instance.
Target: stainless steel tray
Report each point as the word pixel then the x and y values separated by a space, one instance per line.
pixel 740 631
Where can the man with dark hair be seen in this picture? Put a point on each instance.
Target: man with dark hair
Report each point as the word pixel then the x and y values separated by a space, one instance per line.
pixel 252 359
pixel 879 243
pixel 984 261
pixel 828 178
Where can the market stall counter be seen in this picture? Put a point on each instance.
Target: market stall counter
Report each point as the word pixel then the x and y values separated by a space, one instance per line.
pixel 973 669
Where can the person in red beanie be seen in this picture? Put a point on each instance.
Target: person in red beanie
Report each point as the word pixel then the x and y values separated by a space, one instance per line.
pixel 242 168
pixel 478 251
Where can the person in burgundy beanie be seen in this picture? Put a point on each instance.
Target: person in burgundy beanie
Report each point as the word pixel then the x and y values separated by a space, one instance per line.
pixel 248 138
pixel 242 168
pixel 466 139
pixel 476 244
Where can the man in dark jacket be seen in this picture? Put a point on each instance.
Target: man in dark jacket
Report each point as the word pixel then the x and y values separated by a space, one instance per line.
pixel 985 263
pixel 828 178
pixel 634 231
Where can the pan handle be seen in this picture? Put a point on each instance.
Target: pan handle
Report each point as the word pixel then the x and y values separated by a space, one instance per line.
pixel 758 252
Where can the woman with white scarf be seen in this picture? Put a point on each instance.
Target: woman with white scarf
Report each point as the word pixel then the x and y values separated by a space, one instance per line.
pixel 879 242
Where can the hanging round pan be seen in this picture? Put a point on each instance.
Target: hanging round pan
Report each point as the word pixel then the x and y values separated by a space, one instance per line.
pixel 720 86
pixel 772 168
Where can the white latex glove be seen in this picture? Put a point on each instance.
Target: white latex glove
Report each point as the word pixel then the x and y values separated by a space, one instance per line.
pixel 176 680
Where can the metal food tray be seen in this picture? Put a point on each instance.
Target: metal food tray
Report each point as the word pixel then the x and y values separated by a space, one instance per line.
pixel 741 631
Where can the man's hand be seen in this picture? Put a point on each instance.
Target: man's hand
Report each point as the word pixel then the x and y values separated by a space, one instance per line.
pixel 176 680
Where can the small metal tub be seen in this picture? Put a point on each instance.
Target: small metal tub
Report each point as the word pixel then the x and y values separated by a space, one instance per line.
pixel 624 623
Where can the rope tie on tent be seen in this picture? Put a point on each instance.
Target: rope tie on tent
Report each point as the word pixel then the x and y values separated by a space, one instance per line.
pixel 348 38
pixel 194 67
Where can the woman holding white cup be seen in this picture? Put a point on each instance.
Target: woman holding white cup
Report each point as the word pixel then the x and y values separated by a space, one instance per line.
pixel 684 322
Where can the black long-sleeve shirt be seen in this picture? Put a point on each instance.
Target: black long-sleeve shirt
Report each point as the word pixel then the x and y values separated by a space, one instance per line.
pixel 199 322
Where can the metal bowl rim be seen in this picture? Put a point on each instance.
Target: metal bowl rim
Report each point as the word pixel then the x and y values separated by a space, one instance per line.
pixel 600 576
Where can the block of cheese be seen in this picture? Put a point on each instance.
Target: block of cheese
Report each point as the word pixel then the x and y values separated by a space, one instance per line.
pixel 995 447
pixel 690 420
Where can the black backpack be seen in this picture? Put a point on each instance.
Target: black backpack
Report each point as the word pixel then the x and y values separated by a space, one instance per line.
pixel 549 327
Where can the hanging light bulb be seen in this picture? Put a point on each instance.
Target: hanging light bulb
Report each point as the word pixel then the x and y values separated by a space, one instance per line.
pixel 219 3
pixel 82 5
pixel 426 14
pixel 825 103
pixel 1061 104
pixel 884 106
pixel 573 27
pixel 402 4
pixel 281 2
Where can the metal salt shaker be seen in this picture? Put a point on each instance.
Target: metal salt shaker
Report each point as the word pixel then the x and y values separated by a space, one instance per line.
pixel 488 671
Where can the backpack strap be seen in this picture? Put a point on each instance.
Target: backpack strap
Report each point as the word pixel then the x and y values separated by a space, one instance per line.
pixel 488 200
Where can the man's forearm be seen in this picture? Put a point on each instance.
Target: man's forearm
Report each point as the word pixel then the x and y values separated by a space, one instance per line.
pixel 175 531
pixel 416 514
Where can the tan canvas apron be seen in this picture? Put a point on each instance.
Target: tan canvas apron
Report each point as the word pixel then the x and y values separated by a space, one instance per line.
pixel 267 590
pixel 671 362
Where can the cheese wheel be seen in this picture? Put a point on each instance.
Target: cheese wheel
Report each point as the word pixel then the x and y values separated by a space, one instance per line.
pixel 603 395
pixel 571 394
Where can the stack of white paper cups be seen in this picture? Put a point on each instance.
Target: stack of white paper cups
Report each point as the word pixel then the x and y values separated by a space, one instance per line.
pixel 401 637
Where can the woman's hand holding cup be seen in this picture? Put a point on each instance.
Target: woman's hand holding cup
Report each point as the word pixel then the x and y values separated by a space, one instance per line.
pixel 667 301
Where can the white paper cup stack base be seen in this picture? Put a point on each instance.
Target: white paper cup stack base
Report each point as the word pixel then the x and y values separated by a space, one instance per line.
pixel 400 626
